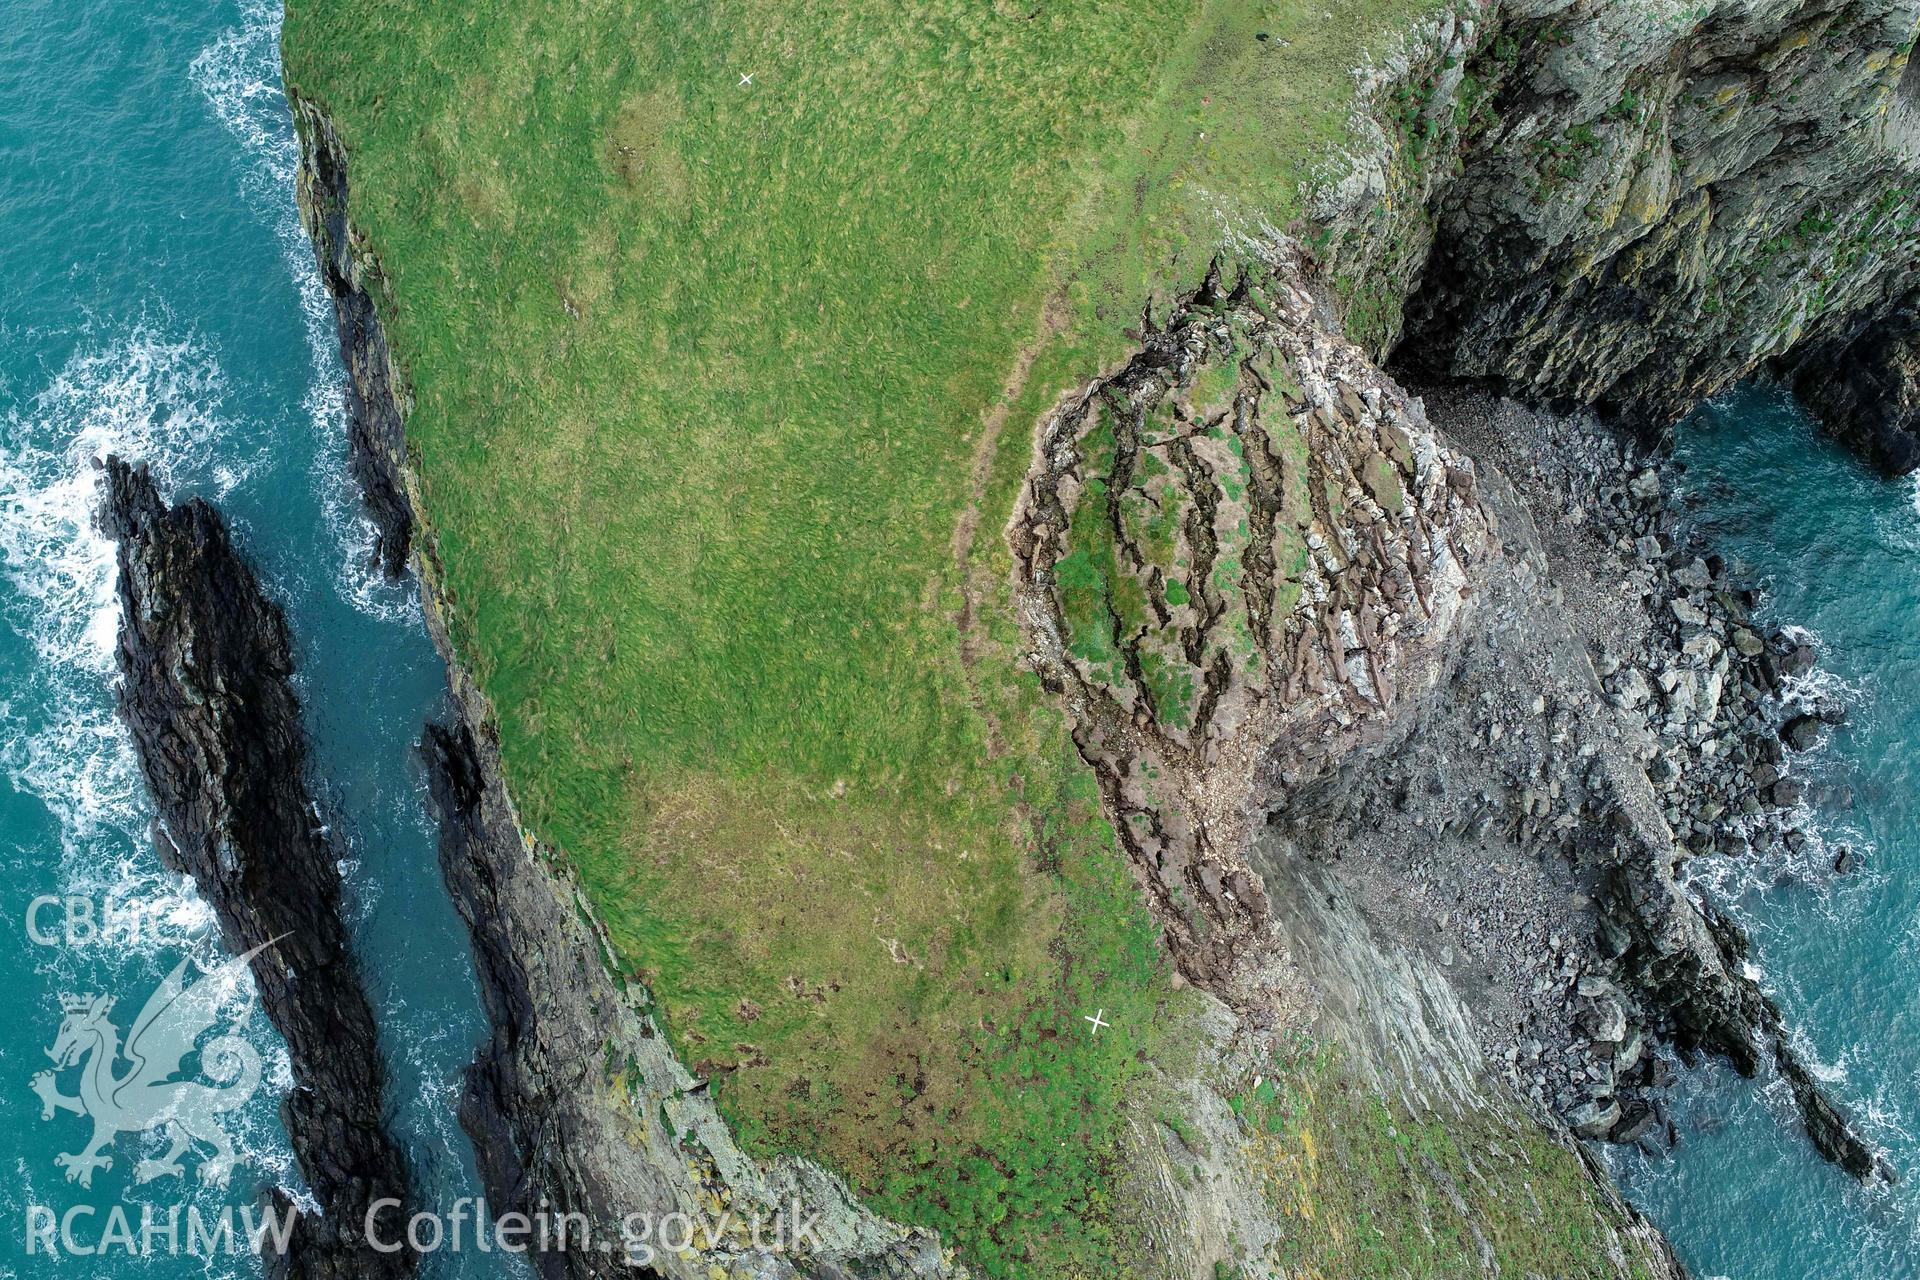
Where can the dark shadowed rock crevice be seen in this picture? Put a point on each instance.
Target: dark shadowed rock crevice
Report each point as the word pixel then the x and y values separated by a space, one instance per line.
pixel 207 667
pixel 376 429
pixel 1865 385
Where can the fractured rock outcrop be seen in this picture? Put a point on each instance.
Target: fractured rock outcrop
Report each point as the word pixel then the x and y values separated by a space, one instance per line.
pixel 207 666
pixel 1246 536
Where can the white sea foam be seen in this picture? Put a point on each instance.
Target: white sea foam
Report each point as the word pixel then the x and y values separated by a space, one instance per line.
pixel 152 398
pixel 239 74
pixel 1732 883
pixel 426 1056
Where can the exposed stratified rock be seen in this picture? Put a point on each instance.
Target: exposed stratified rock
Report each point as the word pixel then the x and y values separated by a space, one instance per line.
pixel 1636 206
pixel 207 693
pixel 1693 965
pixel 1655 207
pixel 1247 538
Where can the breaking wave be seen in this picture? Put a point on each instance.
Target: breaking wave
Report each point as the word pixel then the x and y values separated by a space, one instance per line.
pixel 151 397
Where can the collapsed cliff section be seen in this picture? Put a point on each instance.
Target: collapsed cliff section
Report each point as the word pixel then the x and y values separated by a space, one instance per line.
pixel 1248 564
pixel 1279 604
pixel 1632 210
pixel 206 664
pixel 1246 536
pixel 1637 207
pixel 1613 712
pixel 577 1103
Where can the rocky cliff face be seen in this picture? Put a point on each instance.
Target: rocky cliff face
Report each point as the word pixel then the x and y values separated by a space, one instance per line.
pixel 207 664
pixel 1636 206
pixel 1631 209
pixel 1518 857
pixel 1249 563
pixel 376 395
pixel 1293 623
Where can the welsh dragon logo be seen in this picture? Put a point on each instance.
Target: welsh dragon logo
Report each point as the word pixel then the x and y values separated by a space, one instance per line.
pixel 146 1096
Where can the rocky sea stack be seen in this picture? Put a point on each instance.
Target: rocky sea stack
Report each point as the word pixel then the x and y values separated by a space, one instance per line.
pixel 207 664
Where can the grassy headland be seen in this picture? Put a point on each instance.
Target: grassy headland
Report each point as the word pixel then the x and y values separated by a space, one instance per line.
pixel 723 391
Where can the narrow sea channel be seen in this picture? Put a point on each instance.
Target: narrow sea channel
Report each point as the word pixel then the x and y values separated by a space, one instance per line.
pixel 157 299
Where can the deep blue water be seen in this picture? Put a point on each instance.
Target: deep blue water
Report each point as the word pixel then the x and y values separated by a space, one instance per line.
pixel 157 300
pixel 1838 550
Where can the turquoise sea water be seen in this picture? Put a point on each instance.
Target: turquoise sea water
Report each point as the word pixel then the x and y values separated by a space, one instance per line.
pixel 156 299
pixel 1744 1195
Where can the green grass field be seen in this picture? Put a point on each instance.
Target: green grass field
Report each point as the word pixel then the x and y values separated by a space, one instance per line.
pixel 1369 1189
pixel 723 393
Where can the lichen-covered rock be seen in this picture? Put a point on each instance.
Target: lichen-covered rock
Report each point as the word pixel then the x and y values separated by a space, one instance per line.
pixel 1636 207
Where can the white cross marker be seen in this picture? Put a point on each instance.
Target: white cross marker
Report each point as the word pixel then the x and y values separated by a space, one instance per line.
pixel 1098 1020
pixel 746 80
